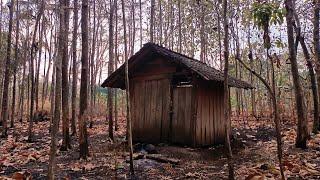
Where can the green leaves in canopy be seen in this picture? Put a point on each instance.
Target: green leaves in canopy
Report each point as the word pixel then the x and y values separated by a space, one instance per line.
pixel 265 14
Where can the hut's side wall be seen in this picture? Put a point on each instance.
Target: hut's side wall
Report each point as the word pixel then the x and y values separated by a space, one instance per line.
pixel 209 126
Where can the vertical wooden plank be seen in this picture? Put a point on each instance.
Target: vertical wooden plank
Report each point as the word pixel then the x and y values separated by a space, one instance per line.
pixel 212 118
pixel 216 119
pixel 207 116
pixel 158 111
pixel 194 105
pixel 203 119
pixel 146 110
pixel 165 109
pixel 222 119
pixel 142 90
pixel 188 115
pixel 199 116
pixel 175 115
pixel 133 95
pixel 153 119
pixel 220 126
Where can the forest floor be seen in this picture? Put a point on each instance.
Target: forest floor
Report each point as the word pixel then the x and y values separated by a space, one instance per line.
pixel 254 148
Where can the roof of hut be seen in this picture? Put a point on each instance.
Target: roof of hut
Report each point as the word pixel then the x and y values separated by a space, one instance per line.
pixel 116 79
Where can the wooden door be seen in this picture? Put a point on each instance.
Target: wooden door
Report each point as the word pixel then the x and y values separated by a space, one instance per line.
pixel 150 110
pixel 182 115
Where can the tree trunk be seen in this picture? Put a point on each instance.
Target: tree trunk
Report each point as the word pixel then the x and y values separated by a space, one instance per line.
pixel 83 114
pixel 152 20
pixel 300 38
pixel 33 48
pixel 58 94
pixel 5 96
pixel 13 107
pixel 140 8
pixel 179 25
pixel 115 65
pixel 65 79
pixel 127 89
pixel 302 129
pixel 74 68
pixel 276 115
pixel 110 70
pixel 226 90
pixel 316 44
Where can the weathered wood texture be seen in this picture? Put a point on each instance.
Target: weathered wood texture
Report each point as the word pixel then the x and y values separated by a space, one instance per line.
pixel 182 115
pixel 164 111
pixel 150 110
pixel 209 127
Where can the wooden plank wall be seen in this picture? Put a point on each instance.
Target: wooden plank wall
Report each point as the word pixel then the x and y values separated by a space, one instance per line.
pixel 209 126
pixel 150 110
pixel 182 115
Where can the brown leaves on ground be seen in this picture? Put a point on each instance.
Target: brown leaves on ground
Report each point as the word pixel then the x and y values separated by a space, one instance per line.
pixel 254 156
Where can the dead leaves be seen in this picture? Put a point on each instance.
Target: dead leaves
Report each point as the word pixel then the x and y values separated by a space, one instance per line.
pixel 22 176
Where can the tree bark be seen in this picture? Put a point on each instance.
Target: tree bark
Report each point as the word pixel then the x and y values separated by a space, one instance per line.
pixel 316 46
pixel 32 95
pixel 226 90
pixel 58 93
pixel 152 20
pixel 300 38
pixel 127 88
pixel 5 96
pixel 74 68
pixel 13 106
pixel 110 70
pixel 65 79
pixel 302 129
pixel 83 114
pixel 276 115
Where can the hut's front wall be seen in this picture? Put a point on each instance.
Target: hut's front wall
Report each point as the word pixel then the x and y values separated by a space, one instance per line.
pixel 209 124
pixel 150 101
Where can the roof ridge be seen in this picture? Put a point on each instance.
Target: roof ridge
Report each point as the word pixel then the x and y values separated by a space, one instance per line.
pixel 193 59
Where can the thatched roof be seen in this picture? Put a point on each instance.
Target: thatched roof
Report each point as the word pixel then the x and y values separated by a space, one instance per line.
pixel 116 79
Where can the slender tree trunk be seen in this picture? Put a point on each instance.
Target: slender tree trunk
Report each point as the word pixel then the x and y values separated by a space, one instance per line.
pixel 160 23
pixel 13 107
pixel 33 51
pixel 152 20
pixel 253 96
pixel 65 79
pixel 5 97
pixel 302 129
pixel 133 27
pixel 115 65
pixel 179 25
pixel 316 46
pixel 58 94
pixel 110 70
pixel 83 114
pixel 300 38
pixel 140 8
pixel 276 116
pixel 74 67
pixel 127 89
pixel 37 78
pixel 226 90
pixel 1 73
pixel 92 62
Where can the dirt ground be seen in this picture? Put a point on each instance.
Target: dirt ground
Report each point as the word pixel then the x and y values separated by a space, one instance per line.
pixel 254 150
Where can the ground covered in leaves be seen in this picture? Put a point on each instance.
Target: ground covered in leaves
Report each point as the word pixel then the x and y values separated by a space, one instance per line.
pixel 253 143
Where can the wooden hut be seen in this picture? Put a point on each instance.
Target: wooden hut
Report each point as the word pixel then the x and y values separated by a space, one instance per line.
pixel 174 98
